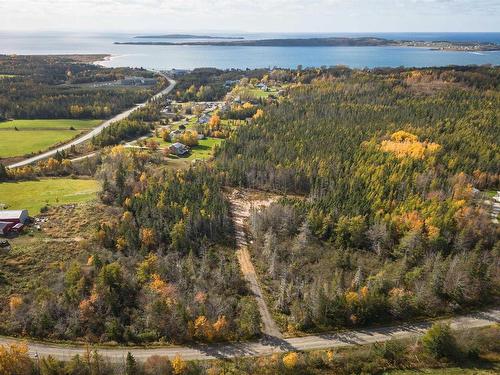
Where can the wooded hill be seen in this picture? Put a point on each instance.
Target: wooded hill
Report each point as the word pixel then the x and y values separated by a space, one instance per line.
pixel 58 87
pixel 387 161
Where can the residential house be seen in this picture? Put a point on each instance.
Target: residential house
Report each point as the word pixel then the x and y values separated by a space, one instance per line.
pixel 262 86
pixel 179 149
pixel 204 119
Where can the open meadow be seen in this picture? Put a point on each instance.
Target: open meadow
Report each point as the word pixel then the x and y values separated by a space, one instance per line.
pixel 22 137
pixel 33 195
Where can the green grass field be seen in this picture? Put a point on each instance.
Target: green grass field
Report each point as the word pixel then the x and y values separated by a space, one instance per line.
pixel 50 124
pixel 254 92
pixel 33 195
pixel 35 136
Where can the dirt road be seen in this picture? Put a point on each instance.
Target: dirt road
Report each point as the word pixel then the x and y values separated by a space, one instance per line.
pixel 266 346
pixel 241 208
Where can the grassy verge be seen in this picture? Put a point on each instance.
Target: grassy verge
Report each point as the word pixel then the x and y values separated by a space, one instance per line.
pixel 33 195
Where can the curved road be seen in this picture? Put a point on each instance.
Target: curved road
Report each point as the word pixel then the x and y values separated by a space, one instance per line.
pixel 265 346
pixel 88 136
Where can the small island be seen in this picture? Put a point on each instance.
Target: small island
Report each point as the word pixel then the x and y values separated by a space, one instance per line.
pixel 327 42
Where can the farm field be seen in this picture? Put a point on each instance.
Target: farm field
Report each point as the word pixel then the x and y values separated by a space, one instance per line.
pixel 34 136
pixel 33 195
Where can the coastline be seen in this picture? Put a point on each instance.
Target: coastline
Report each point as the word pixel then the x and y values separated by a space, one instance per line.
pixel 332 42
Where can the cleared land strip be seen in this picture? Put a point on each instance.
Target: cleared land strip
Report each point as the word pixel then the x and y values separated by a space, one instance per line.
pixel 267 346
pixel 241 212
pixel 88 136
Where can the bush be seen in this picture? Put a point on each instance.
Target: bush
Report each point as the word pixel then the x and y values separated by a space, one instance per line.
pixel 439 341
pixel 392 351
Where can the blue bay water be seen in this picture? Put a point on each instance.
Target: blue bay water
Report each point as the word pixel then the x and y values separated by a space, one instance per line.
pixel 189 57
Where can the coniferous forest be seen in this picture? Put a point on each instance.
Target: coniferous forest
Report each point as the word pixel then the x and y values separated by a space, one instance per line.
pixel 385 218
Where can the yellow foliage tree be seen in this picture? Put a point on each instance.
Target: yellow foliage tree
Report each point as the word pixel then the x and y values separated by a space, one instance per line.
pixel 214 122
pixel 404 144
pixel 178 365
pixel 220 326
pixel 15 302
pixel 163 288
pixel 14 360
pixel 189 138
pixel 203 328
pixel 290 360
pixel 147 237
pixel 258 114
pixel 351 298
pixel 364 292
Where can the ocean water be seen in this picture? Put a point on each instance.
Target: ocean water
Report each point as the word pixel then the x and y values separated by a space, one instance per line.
pixel 189 57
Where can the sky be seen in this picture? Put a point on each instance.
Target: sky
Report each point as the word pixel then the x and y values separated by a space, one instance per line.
pixel 250 15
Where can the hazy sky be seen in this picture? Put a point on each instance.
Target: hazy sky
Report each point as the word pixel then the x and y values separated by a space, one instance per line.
pixel 250 15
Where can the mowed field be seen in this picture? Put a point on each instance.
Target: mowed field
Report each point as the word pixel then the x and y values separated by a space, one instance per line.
pixel 23 137
pixel 33 195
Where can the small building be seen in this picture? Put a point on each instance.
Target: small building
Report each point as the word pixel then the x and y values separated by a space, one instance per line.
pixel 137 81
pixel 204 119
pixel 179 149
pixel 262 86
pixel 230 83
pixel 14 216
pixel 5 227
pixel 174 134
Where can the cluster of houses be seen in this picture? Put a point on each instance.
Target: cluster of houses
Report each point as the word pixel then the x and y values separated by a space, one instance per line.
pixel 137 81
pixel 12 221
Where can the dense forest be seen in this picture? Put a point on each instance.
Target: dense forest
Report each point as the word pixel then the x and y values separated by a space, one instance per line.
pixel 210 84
pixel 64 87
pixel 388 162
pixel 160 266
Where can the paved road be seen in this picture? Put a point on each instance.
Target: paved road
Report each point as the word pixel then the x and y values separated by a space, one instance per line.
pixel 267 346
pixel 88 136
pixel 241 208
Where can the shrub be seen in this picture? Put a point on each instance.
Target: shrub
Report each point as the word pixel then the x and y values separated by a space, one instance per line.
pixel 439 341
pixel 392 351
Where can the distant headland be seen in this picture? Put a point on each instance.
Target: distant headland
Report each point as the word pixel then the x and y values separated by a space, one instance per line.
pixel 319 42
pixel 187 36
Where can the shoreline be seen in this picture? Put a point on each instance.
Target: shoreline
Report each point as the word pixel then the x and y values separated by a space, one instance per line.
pixel 332 42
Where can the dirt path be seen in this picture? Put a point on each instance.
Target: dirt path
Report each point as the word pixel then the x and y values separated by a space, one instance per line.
pixel 241 208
